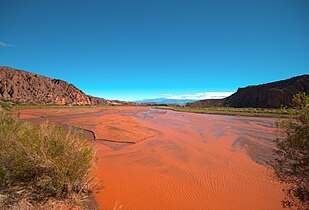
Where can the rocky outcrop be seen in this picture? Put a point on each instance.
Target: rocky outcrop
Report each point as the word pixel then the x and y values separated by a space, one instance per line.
pixel 98 101
pixel 23 87
pixel 270 95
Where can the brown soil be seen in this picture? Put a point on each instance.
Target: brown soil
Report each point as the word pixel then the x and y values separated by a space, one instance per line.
pixel 181 160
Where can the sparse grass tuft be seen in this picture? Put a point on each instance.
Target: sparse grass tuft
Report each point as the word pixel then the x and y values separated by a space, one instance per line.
pixel 5 106
pixel 42 162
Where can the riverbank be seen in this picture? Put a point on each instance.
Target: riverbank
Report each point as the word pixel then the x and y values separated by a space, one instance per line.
pixel 248 112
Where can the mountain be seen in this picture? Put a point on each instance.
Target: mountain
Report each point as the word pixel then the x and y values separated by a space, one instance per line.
pixel 269 95
pixel 18 86
pixel 165 101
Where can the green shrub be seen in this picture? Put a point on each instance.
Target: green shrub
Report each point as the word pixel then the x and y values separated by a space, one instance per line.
pixel 292 155
pixel 46 161
pixel 5 105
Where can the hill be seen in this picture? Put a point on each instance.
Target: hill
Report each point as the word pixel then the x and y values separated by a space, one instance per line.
pixel 18 86
pixel 269 95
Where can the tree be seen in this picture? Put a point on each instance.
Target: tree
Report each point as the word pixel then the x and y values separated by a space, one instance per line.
pixel 292 155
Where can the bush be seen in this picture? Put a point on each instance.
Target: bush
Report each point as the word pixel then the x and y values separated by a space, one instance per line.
pixel 43 162
pixel 292 155
pixel 5 106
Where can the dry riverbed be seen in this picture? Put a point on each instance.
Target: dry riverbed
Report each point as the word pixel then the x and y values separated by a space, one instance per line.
pixel 161 159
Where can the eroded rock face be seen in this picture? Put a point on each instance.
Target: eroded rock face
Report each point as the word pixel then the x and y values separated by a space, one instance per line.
pixel 269 95
pixel 98 101
pixel 23 87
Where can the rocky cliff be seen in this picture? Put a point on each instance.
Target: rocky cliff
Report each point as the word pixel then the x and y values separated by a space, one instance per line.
pixel 269 95
pixel 23 87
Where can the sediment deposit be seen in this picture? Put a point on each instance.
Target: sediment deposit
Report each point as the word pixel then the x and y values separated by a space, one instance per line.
pixel 176 160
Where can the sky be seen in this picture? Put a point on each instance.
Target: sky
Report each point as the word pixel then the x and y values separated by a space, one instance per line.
pixel 137 49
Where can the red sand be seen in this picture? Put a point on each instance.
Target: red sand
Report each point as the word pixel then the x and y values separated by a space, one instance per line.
pixel 188 163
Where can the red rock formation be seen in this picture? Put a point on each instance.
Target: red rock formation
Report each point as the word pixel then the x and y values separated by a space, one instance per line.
pixel 18 86
pixel 270 95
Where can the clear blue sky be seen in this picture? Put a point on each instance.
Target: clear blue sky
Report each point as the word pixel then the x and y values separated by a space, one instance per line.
pixel 134 49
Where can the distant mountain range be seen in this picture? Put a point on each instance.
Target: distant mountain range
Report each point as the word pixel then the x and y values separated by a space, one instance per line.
pixel 18 86
pixel 269 95
pixel 166 101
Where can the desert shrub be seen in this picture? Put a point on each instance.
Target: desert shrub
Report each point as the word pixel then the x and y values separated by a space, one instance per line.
pixel 43 162
pixel 292 155
pixel 5 105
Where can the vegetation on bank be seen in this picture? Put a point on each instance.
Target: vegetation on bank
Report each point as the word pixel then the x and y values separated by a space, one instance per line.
pixel 253 112
pixel 292 155
pixel 9 106
pixel 5 106
pixel 43 163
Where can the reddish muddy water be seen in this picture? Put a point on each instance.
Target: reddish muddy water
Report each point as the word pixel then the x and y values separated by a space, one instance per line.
pixel 178 160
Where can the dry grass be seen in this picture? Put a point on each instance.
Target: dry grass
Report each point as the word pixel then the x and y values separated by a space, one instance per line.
pixel 39 164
